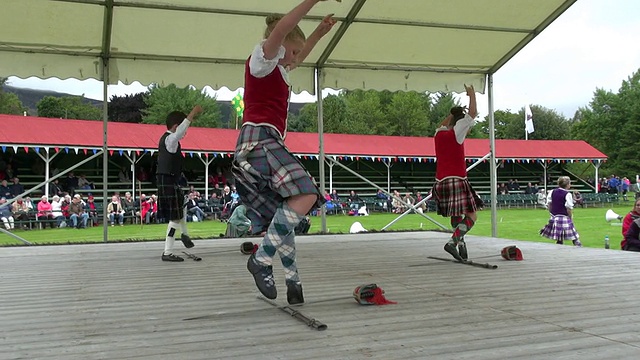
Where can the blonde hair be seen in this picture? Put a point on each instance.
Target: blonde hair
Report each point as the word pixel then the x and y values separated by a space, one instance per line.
pixel 272 20
pixel 564 181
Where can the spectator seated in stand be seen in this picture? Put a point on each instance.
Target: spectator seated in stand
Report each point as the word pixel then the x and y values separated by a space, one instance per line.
pixel 45 213
pixel 148 210
pixel 214 205
pixel 78 216
pixel 71 183
pixel 6 216
pixel 193 209
pixel 16 188
pixel 354 201
pixel 20 213
pixel 128 206
pixel 83 183
pixel 92 210
pixel 56 211
pixel 5 190
pixel 115 210
pixel 218 178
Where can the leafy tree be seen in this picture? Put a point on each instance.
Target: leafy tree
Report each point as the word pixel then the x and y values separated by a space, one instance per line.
pixel 334 115
pixel 364 114
pixel 611 124
pixel 596 123
pixel 440 109
pixel 408 114
pixel 9 102
pixel 68 107
pixel 128 108
pixel 162 100
pixel 628 143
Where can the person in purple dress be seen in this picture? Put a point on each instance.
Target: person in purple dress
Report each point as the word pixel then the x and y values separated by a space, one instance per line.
pixel 560 204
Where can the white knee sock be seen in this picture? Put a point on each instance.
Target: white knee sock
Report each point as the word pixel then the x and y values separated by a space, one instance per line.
pixel 183 226
pixel 170 239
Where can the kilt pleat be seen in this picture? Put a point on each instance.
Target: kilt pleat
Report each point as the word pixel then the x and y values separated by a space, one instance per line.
pixel 560 228
pixel 455 197
pixel 266 173
pixel 170 198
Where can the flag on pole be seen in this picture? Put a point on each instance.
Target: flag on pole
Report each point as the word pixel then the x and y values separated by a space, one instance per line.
pixel 528 120
pixel 238 104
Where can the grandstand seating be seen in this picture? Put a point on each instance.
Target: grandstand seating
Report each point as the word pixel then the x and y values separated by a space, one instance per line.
pixel 405 177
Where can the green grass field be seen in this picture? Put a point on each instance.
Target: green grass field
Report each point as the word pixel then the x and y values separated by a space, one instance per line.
pixel 518 224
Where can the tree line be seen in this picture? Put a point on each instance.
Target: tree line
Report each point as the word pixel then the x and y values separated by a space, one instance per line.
pixel 610 122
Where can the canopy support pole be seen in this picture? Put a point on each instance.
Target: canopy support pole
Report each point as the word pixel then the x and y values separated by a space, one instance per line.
pixel 493 171
pixel 321 160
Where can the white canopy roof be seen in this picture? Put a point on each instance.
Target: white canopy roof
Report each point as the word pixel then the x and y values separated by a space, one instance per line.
pixel 424 45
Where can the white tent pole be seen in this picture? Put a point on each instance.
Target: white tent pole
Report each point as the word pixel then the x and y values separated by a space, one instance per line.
pixel 323 214
pixel 493 171
pixel 331 178
pixel 105 151
pixel 206 179
pixel 107 27
pixel 133 174
pixel 544 182
pixel 388 165
pixel 597 180
pixel 47 168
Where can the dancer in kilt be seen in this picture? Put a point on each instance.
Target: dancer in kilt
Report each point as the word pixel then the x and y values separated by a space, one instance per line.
pixel 170 196
pixel 452 192
pixel 560 204
pixel 276 188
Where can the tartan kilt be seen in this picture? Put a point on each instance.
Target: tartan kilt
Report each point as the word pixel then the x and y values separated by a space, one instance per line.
pixel 455 197
pixel 170 198
pixel 266 174
pixel 560 228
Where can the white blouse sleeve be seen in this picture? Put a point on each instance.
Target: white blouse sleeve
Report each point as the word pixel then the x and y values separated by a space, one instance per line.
pixel 568 201
pixel 171 141
pixel 261 67
pixel 461 128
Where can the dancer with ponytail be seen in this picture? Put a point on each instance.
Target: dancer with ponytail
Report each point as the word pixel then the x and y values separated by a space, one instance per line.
pixel 276 188
pixel 454 196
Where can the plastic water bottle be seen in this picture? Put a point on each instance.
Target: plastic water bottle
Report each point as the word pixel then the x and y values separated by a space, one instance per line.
pixel 606 241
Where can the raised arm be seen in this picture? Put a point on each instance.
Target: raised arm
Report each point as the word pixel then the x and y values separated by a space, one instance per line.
pixel 471 93
pixel 323 28
pixel 171 141
pixel 288 22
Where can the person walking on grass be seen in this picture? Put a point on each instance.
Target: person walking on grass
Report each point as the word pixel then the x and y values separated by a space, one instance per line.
pixel 560 204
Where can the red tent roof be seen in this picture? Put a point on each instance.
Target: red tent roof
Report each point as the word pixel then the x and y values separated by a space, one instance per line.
pixel 20 131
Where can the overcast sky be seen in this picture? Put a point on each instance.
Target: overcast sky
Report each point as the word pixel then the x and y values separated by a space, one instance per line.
pixel 592 45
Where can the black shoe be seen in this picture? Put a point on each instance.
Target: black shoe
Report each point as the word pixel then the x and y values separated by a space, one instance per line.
pixel 171 257
pixel 451 249
pixel 294 293
pixel 462 250
pixel 263 276
pixel 186 240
